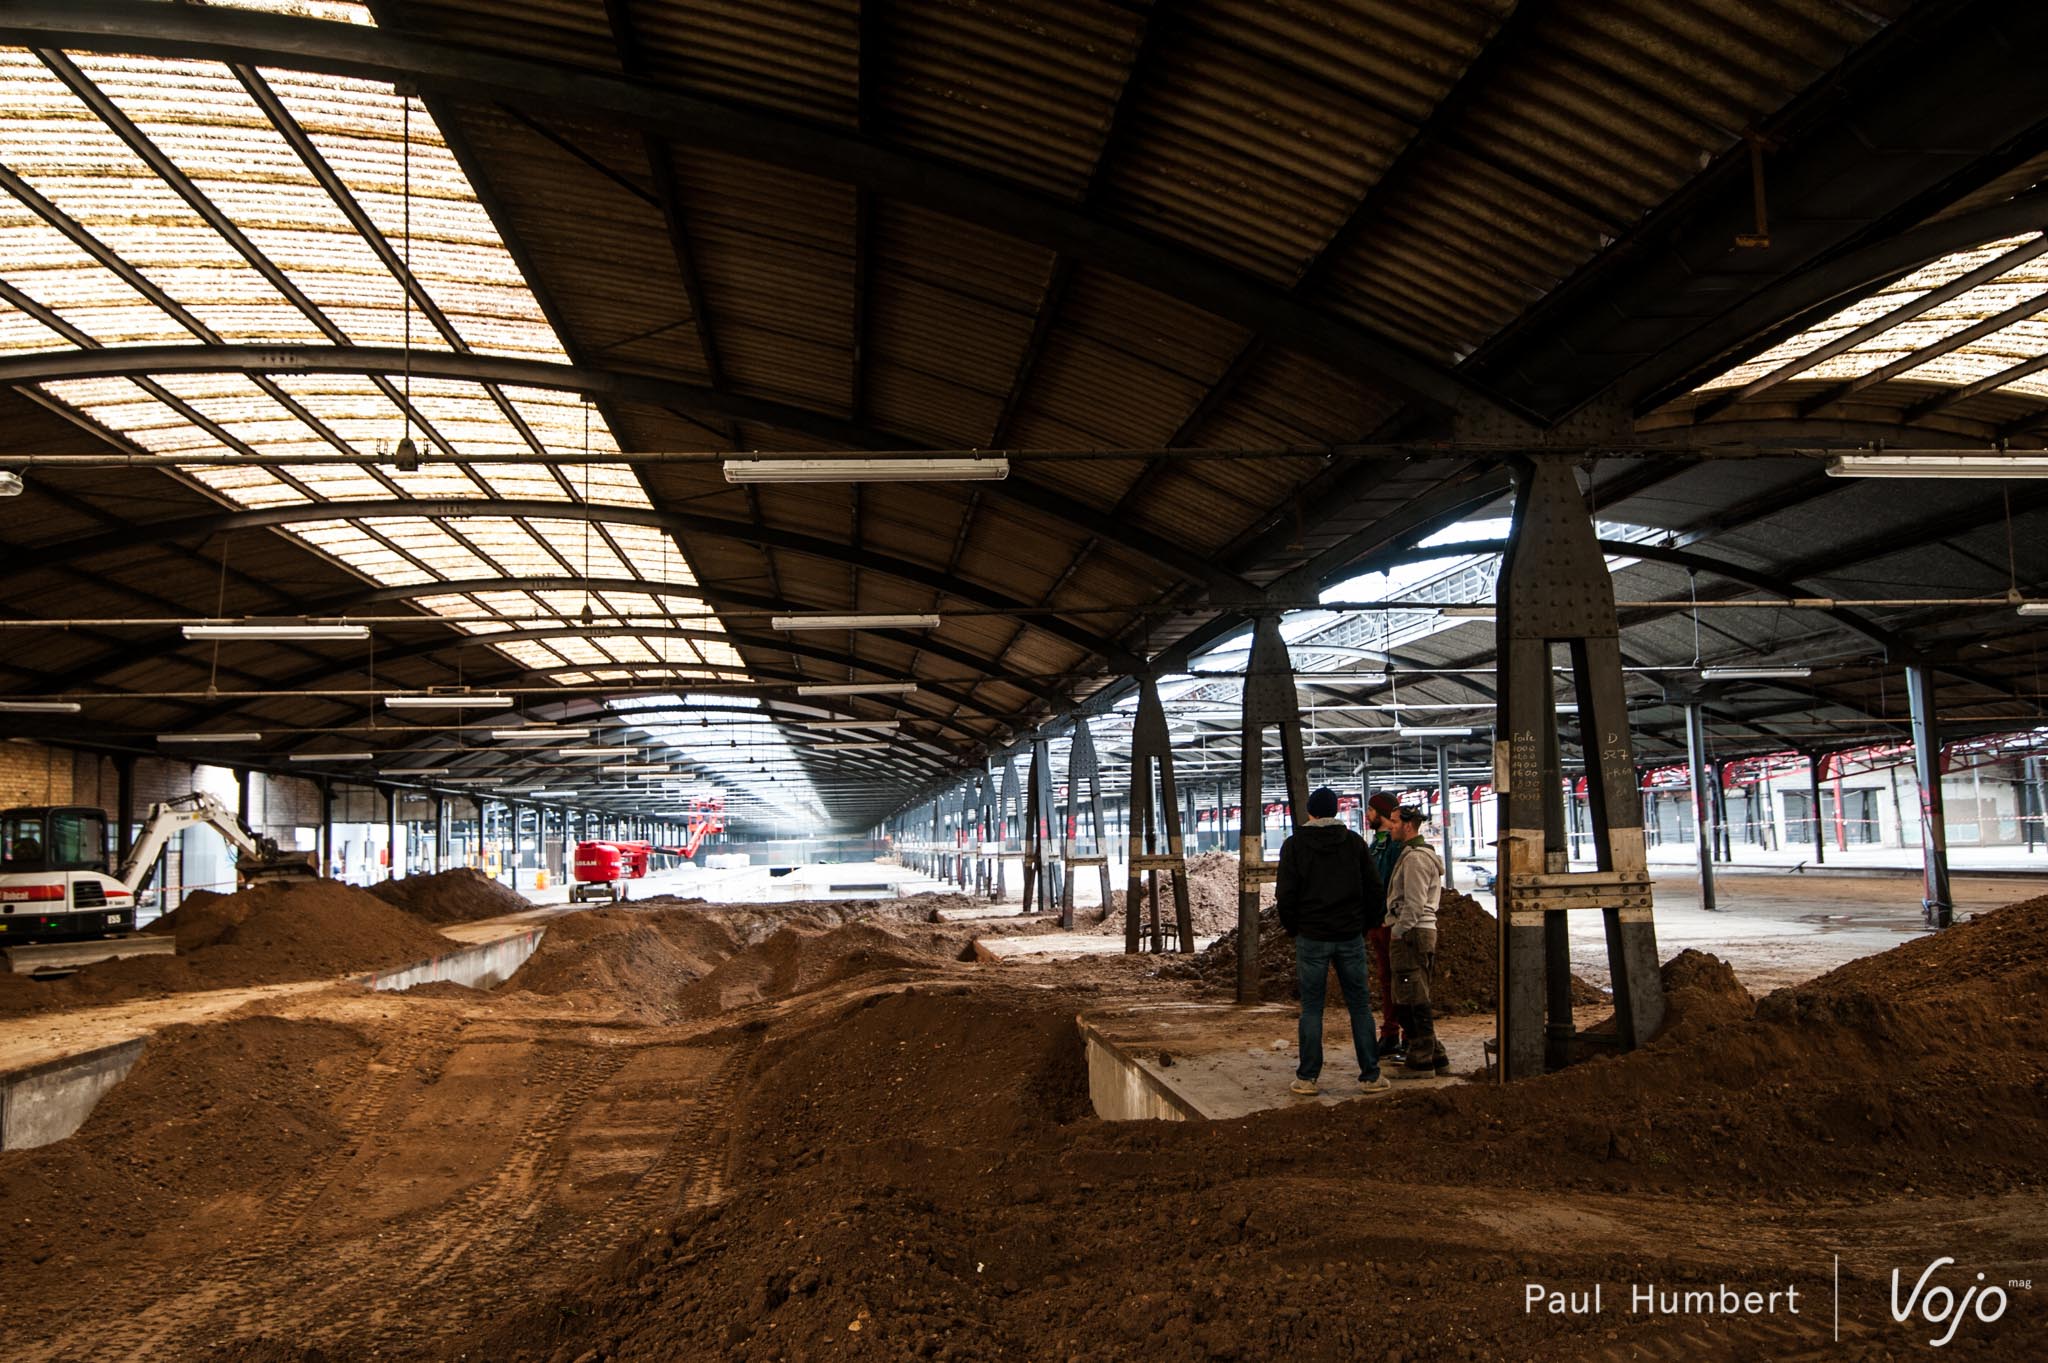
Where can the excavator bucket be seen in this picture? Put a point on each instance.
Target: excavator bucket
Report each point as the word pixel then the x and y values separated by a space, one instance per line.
pixel 251 870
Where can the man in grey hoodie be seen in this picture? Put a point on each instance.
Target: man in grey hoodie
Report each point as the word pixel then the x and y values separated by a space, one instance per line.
pixel 1412 894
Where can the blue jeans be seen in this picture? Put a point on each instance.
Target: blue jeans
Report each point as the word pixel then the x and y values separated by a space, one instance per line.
pixel 1312 962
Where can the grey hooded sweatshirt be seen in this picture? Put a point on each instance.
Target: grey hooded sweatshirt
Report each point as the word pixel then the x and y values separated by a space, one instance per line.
pixel 1414 888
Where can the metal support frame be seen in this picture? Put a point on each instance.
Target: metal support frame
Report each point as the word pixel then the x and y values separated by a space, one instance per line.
pixel 1816 768
pixel 1009 816
pixel 1084 786
pixel 1702 799
pixel 1555 588
pixel 1038 868
pixel 124 813
pixel 1269 702
pixel 391 832
pixel 1937 903
pixel 1443 810
pixel 1152 747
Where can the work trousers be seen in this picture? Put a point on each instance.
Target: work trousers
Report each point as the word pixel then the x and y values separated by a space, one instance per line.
pixel 1313 961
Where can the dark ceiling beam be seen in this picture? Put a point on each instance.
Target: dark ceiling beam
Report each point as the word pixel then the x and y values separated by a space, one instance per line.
pixel 1935 105
pixel 143 361
pixel 212 33
pixel 1372 206
pixel 676 522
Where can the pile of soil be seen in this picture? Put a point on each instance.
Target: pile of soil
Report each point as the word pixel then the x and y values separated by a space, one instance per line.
pixel 212 1117
pixel 637 960
pixel 266 934
pixel 1467 961
pixel 461 895
pixel 965 1215
pixel 794 961
pixel 1212 898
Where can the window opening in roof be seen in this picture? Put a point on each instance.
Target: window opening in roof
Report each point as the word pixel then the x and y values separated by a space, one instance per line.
pixel 189 202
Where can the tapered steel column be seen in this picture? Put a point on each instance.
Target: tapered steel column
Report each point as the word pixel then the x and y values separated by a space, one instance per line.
pixel 1937 904
pixel 1814 764
pixel 1152 751
pixel 1084 790
pixel 1555 588
pixel 1269 702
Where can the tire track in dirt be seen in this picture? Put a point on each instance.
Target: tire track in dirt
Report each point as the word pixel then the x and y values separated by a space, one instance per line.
pixel 184 1299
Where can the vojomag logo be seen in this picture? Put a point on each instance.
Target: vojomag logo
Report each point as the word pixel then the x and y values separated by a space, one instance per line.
pixel 1939 1305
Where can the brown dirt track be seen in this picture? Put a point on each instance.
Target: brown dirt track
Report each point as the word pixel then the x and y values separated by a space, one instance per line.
pixel 839 1142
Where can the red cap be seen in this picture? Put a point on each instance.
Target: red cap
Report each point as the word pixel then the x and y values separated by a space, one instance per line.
pixel 1384 803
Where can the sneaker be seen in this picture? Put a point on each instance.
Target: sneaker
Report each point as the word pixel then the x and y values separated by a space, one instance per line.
pixel 1443 1063
pixel 1305 1087
pixel 1377 1084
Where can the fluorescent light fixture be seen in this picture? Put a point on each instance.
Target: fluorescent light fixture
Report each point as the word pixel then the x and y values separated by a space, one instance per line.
pixel 860 689
pixel 866 470
pixel 639 767
pixel 1938 466
pixel 2026 608
pixel 458 701
pixel 330 757
pixel 852 723
pixel 39 707
pixel 283 629
pixel 10 483
pixel 1753 673
pixel 539 733
pixel 1362 678
pixel 1433 731
pixel 476 780
pixel 415 771
pixel 210 738
pixel 596 752
pixel 793 622
pixel 851 747
pixel 1470 612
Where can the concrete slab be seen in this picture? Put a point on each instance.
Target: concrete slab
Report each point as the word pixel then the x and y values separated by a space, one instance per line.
pixel 979 914
pixel 47 1102
pixel 478 967
pixel 1178 1061
pixel 37 958
pixel 996 950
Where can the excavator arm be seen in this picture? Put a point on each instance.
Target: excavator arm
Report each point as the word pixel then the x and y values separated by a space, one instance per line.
pixel 261 857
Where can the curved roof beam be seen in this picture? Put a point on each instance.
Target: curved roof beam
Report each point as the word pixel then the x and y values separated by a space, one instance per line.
pixel 222 34
pixel 32 559
pixel 602 385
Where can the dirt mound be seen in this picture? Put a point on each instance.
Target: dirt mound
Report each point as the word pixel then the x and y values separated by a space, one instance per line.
pixel 1702 989
pixel 220 1116
pixel 461 895
pixel 638 959
pixel 266 934
pixel 1212 898
pixel 793 961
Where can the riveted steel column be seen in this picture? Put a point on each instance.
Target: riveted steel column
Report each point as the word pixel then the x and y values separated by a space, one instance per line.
pixel 1269 702
pixel 1554 587
pixel 1084 789
pixel 1152 747
pixel 1816 768
pixel 390 832
pixel 1937 904
pixel 1702 799
pixel 1443 806
pixel 1009 817
pixel 1037 810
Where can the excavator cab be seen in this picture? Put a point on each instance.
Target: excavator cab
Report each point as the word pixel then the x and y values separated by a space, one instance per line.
pixel 52 838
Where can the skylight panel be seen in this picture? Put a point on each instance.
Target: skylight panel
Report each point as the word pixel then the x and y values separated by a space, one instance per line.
pixel 210 131
pixel 1856 363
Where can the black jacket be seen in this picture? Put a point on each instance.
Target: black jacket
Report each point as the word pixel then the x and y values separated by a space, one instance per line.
pixel 1329 889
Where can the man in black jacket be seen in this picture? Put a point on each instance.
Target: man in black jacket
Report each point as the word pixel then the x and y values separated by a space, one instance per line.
pixel 1328 896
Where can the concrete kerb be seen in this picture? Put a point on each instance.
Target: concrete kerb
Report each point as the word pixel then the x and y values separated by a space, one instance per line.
pixel 46 1102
